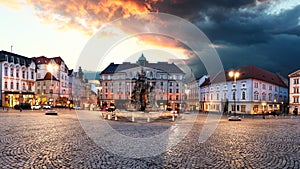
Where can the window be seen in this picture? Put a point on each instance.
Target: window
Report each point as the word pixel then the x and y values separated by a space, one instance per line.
pixel 243 95
pixel 170 98
pixel 255 108
pixel 161 83
pixel 17 72
pixel 264 86
pixel 238 108
pixel 11 85
pixel 44 91
pixel 296 89
pixel 244 85
pixel 51 91
pixel 217 96
pixel 270 87
pixel 38 91
pixel 177 84
pixel 177 97
pixel 296 99
pixel 270 97
pixel 296 81
pixel 243 108
pixel 12 72
pixel 255 85
pixel 38 83
pixel 255 95
pixel 264 96
pixel 17 87
pixel 5 85
pixel 171 84
pixel 170 91
pixel 32 74
pixel 44 83
pixel 23 87
pixel 23 74
pixel 177 90
pixel 29 86
pixel 5 71
pixel 233 95
pixel 232 107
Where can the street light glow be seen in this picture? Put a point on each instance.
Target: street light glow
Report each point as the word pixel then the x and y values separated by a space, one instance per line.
pixel 234 74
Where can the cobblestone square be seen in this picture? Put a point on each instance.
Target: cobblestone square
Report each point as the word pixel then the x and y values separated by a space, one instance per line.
pixel 30 139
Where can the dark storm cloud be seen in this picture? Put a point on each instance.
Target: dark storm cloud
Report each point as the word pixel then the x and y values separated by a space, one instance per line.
pixel 246 31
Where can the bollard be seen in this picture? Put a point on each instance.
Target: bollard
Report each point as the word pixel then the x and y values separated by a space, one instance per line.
pixel 173 117
pixel 109 117
pixel 148 119
pixel 116 118
pixel 132 118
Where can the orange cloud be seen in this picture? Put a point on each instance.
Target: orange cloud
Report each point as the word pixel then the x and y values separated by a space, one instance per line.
pixel 88 15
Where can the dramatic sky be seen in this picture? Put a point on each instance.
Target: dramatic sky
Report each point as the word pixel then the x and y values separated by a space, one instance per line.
pixel 265 33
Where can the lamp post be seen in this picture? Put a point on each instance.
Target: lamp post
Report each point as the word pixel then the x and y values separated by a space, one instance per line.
pixel 234 75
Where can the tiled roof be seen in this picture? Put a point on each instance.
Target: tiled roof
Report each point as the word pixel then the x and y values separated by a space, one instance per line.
pixel 249 72
pixel 162 66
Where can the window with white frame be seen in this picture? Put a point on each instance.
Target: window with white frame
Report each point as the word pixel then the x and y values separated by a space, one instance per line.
pixel 255 95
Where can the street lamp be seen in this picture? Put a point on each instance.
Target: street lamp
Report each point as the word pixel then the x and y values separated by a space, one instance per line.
pixel 234 75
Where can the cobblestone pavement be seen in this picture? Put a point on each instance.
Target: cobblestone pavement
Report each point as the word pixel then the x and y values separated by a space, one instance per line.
pixel 29 139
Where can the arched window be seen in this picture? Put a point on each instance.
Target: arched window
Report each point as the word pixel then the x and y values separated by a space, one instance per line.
pixel 264 96
pixel 270 97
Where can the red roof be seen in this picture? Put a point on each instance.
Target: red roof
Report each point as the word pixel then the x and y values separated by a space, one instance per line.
pixel 44 60
pixel 250 72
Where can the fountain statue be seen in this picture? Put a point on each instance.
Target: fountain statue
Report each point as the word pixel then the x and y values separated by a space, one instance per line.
pixel 143 94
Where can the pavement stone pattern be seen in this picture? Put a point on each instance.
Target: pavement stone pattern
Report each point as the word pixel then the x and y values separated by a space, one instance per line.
pixel 30 139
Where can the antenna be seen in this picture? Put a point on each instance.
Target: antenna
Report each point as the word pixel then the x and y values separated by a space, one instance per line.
pixel 11 46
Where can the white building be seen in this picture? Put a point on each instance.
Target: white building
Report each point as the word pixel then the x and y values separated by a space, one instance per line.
pixel 52 82
pixel 294 92
pixel 17 79
pixel 255 91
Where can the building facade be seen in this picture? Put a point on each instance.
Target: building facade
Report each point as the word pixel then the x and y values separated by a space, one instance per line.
pixel 255 91
pixel 294 92
pixel 117 82
pixel 52 81
pixel 18 75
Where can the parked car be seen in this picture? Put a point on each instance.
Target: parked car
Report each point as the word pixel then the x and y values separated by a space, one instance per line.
pixel 77 108
pixel 23 106
pixel 36 107
pixel 46 106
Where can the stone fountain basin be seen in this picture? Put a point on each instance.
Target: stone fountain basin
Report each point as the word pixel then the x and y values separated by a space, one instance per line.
pixel 140 114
